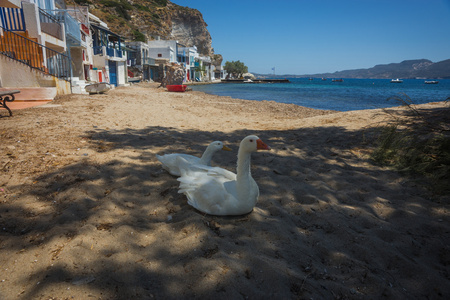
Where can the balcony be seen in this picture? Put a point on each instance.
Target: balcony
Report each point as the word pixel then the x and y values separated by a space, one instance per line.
pixel 12 19
pixel 72 28
pixel 102 50
pixel 50 25
pixel 113 52
pixel 149 61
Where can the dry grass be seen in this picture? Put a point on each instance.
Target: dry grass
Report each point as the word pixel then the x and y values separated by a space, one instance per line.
pixel 418 144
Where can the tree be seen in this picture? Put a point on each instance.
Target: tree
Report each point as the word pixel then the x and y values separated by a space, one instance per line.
pixel 235 68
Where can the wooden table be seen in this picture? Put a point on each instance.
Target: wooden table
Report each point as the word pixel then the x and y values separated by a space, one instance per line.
pixel 7 96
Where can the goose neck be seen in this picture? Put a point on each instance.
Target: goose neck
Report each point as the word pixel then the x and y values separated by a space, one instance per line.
pixel 243 164
pixel 206 157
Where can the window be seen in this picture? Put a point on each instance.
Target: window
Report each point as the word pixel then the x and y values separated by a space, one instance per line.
pixel 159 55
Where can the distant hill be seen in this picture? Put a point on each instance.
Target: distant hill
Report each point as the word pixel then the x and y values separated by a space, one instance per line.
pixel 419 68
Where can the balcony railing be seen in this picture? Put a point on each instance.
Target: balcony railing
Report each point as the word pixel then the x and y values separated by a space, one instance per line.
pixel 50 25
pixel 71 25
pixel 12 19
pixel 113 52
pixel 97 50
pixel 34 55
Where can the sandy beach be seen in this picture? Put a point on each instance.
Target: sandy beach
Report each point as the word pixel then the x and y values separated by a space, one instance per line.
pixel 87 212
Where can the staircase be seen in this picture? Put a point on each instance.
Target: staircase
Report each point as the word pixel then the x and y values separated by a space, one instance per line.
pixel 29 53
pixel 78 86
pixel 50 73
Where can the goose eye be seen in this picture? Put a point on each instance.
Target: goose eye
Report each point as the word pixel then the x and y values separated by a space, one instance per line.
pixel 251 141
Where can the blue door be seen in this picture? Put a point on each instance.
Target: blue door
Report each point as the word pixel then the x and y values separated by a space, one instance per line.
pixel 112 72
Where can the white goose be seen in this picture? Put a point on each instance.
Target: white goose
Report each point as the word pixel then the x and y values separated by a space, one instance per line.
pixel 216 191
pixel 170 164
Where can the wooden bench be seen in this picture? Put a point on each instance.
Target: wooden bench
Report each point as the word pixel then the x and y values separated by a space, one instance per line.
pixel 7 96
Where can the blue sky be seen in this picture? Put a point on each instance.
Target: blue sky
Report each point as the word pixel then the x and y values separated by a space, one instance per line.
pixel 318 36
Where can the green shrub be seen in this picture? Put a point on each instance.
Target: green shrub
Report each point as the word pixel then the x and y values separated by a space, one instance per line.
pixel 142 7
pixel 121 7
pixel 139 36
pixel 109 3
pixel 161 2
pixel 82 2
pixel 110 18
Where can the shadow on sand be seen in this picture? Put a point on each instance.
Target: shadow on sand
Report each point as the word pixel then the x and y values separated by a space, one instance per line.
pixel 328 224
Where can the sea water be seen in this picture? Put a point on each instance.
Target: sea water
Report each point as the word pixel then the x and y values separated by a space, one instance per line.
pixel 351 94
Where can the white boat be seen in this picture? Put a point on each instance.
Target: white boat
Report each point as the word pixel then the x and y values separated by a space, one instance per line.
pixel 98 88
pixel 396 81
pixel 431 82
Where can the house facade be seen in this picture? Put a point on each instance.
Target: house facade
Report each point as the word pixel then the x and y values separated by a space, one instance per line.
pixel 110 59
pixel 33 44
pixel 140 62
pixel 51 45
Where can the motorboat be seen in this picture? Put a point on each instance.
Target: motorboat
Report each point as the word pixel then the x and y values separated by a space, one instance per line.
pixel 396 81
pixel 337 80
pixel 431 82
pixel 176 88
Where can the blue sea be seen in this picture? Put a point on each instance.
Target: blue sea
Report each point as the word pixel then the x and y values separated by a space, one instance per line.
pixel 351 94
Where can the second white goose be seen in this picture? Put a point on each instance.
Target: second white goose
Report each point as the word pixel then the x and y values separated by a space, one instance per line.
pixel 170 164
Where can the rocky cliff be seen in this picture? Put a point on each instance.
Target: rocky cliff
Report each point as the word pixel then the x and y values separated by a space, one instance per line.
pixel 189 28
pixel 148 19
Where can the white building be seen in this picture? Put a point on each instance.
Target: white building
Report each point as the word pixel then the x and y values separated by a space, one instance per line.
pixel 160 49
pixel 109 59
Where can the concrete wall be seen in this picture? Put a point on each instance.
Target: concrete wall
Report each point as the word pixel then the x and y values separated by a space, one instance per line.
pixel 14 73
pixel 34 84
pixel 166 52
pixel 10 3
pixel 77 68
pixel 121 73
pixel 31 15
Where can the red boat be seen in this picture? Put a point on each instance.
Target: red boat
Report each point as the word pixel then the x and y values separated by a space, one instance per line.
pixel 176 88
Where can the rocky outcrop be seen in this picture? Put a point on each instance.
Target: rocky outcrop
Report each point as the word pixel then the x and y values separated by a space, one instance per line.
pixel 173 74
pixel 136 19
pixel 189 28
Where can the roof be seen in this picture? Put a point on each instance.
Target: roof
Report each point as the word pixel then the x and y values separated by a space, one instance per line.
pixel 106 30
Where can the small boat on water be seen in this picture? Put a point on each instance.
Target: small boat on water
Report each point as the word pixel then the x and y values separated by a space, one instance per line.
pixel 337 80
pixel 431 82
pixel 396 81
pixel 176 87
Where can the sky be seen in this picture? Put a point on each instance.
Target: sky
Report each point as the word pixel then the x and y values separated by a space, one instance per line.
pixel 324 36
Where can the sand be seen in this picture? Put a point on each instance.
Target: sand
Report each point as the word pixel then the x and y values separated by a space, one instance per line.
pixel 87 212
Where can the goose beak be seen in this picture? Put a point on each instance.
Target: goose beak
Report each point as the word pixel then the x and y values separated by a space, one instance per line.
pixel 260 145
pixel 226 148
